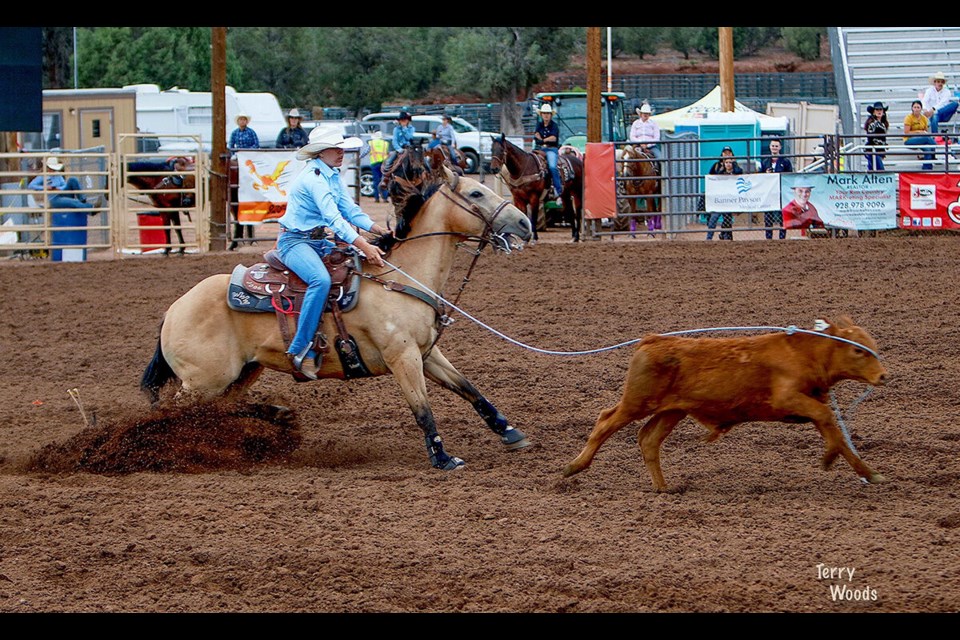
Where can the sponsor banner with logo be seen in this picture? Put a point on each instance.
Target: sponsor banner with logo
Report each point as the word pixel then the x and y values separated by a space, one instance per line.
pixel 858 201
pixel 747 192
pixel 929 201
pixel 264 177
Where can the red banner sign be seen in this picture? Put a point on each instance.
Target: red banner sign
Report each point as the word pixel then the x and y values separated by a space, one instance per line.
pixel 929 201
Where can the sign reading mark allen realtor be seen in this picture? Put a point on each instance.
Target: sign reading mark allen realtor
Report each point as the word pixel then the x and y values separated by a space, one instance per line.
pixel 841 589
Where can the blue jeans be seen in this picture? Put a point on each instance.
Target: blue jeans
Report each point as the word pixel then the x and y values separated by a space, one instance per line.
pixel 726 224
pixel 66 200
pixel 378 193
pixel 874 160
pixel 552 154
pixel 305 257
pixel 773 219
pixel 943 114
pixel 917 140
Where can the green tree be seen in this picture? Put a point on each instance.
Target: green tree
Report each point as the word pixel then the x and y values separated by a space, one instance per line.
pixel 505 63
pixel 57 44
pixel 641 41
pixel 683 39
pixel 746 40
pixel 277 60
pixel 165 56
pixel 804 41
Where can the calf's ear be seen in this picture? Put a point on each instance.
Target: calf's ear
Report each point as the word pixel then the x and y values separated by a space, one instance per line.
pixel 820 325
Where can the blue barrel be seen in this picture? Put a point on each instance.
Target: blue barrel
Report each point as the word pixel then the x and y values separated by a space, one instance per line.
pixel 74 236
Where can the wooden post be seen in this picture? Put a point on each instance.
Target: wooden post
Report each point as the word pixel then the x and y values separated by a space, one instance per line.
pixel 725 43
pixel 219 158
pixel 594 93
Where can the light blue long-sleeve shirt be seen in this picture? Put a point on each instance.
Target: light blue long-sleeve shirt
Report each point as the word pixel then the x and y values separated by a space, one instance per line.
pixel 318 198
pixel 55 181
pixel 402 136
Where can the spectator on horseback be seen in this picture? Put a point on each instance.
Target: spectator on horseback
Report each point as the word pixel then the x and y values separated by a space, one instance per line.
pixel 63 193
pixel 318 200
pixel 402 138
pixel 646 131
pixel 444 134
pixel 292 136
pixel 547 139
pixel 243 137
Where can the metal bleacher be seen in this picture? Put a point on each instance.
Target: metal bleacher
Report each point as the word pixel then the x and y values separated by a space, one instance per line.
pixel 893 65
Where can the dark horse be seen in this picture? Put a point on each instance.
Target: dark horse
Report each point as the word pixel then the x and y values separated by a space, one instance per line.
pixel 642 181
pixel 450 156
pixel 171 188
pixel 528 178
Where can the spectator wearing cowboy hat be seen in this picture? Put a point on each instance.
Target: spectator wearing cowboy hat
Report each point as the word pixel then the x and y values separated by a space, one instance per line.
pixel 547 139
pixel 243 137
pixel 292 136
pixel 939 105
pixel 62 193
pixel 876 127
pixel 318 200
pixel 646 131
pixel 403 135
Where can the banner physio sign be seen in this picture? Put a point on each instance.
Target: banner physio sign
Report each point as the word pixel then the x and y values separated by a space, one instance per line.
pixel 264 178
pixel 747 192
pixel 929 201
pixel 858 201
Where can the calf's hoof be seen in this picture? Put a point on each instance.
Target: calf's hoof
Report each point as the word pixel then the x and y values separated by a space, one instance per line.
pixel 570 470
pixel 877 478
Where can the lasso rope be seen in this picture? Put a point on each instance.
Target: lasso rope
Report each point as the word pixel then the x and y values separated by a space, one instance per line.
pixel 789 330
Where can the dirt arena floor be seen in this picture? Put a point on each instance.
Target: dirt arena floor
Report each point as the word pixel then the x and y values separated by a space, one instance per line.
pixel 108 506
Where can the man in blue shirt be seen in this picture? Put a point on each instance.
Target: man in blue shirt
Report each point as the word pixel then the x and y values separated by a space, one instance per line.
pixel 547 138
pixel 318 200
pixel 62 193
pixel 243 137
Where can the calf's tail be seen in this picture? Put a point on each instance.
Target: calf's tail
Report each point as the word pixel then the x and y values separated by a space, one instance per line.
pixel 156 375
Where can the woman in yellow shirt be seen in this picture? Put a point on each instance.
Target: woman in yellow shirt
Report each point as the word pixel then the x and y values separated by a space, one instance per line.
pixel 916 129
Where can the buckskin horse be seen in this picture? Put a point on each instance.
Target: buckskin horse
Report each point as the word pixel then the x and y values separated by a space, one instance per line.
pixel 171 186
pixel 638 166
pixel 527 176
pixel 217 352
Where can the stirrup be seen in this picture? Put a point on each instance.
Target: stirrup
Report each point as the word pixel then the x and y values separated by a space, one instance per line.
pixel 297 361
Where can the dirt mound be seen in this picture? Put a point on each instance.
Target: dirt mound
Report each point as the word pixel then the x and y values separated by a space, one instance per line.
pixel 190 439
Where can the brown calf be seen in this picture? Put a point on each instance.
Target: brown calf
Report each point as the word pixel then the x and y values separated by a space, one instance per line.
pixel 721 382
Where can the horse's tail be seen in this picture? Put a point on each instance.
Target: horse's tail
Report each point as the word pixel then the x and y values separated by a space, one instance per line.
pixel 156 375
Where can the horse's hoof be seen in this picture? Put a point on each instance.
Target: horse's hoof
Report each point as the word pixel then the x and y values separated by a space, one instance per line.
pixel 451 464
pixel 514 439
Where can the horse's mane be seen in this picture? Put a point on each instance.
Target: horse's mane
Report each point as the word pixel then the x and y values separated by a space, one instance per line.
pixel 409 195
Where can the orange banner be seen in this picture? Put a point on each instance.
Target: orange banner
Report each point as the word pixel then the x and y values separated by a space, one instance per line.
pixel 599 181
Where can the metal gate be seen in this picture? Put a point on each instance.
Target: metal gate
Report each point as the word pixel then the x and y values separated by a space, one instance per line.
pixel 172 215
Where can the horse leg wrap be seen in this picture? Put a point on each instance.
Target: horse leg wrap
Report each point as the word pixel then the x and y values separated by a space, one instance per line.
pixel 438 457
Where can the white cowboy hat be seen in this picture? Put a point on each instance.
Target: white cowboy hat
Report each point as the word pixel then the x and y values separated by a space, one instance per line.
pixel 321 139
pixel 54 164
pixel 294 113
pixel 377 134
pixel 545 108
pixel 938 76
pixel 645 108
pixel 242 115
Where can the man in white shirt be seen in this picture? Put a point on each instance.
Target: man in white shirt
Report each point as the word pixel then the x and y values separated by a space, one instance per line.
pixel 939 105
pixel 646 131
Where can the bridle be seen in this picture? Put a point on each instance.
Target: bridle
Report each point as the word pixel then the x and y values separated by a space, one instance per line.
pixel 522 180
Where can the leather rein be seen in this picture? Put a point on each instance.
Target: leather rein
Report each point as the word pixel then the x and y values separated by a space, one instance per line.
pixel 489 236
pixel 523 180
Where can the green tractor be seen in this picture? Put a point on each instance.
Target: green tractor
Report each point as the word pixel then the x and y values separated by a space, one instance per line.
pixel 570 114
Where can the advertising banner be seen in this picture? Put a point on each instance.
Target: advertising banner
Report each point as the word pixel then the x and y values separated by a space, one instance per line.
pixel 747 192
pixel 857 201
pixel 929 201
pixel 264 177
